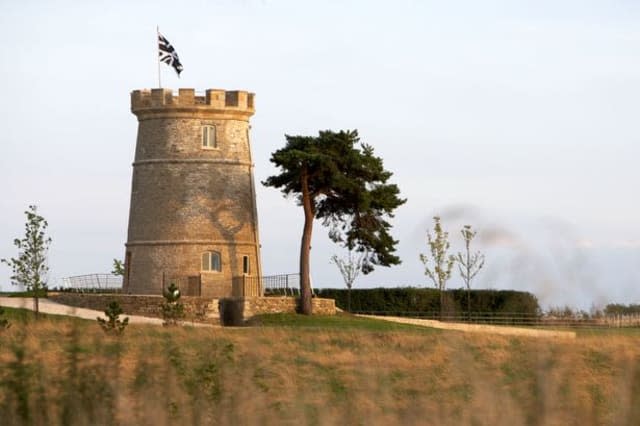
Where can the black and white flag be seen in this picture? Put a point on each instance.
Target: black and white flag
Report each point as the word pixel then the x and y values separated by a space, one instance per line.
pixel 168 54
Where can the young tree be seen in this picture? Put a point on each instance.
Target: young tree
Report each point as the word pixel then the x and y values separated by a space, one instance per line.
pixel 30 267
pixel 118 267
pixel 350 268
pixel 338 179
pixel 113 324
pixel 469 264
pixel 172 309
pixel 438 266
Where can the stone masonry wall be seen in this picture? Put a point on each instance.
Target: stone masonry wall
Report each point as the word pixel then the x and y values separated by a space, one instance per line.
pixel 197 309
pixel 272 305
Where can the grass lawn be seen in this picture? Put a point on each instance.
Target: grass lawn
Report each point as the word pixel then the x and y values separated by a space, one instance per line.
pixel 604 331
pixel 22 317
pixel 290 369
pixel 42 293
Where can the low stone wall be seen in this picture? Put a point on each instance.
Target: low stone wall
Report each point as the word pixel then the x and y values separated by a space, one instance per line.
pixel 274 305
pixel 198 309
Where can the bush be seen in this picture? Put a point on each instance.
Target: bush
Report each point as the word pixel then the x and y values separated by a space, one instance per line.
pixel 172 309
pixel 231 311
pixel 113 325
pixel 411 300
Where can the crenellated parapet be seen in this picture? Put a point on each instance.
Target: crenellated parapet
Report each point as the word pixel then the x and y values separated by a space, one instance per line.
pixel 235 102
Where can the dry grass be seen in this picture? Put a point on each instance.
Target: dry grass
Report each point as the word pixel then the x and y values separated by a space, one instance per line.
pixel 69 372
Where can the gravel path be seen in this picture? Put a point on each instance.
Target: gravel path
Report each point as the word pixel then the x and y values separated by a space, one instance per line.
pixel 479 328
pixel 49 307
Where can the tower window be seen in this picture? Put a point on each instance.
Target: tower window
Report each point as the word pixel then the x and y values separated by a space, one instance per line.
pixel 211 261
pixel 245 265
pixel 209 137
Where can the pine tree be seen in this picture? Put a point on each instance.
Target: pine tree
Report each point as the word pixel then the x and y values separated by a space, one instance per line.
pixel 339 180
pixel 113 324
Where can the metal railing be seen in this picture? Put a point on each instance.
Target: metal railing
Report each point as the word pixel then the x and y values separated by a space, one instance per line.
pixel 280 285
pixel 93 283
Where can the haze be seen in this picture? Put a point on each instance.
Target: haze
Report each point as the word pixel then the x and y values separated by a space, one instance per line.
pixel 519 118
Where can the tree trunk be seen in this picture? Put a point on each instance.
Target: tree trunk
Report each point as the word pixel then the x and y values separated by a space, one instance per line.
pixel 36 303
pixel 468 280
pixel 305 247
pixel 349 299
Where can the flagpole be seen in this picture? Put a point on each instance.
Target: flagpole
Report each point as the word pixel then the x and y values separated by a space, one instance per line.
pixel 158 56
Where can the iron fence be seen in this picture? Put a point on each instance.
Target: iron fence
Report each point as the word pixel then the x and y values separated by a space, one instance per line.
pixel 281 285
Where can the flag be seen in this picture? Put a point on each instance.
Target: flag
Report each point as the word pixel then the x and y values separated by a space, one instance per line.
pixel 168 54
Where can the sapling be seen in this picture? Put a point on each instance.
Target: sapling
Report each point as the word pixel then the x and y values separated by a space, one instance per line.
pixel 113 324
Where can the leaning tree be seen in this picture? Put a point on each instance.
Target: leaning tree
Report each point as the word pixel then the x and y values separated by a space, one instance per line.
pixel 339 180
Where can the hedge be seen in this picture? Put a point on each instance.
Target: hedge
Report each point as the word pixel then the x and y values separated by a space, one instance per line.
pixel 411 300
pixel 619 309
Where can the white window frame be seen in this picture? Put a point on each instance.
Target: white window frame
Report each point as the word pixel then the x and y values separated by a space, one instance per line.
pixel 207 264
pixel 209 137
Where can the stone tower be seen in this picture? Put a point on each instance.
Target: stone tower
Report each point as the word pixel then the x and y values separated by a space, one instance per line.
pixel 193 218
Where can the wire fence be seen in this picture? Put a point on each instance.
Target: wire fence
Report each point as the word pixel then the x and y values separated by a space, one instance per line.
pixel 516 318
pixel 92 283
pixel 271 285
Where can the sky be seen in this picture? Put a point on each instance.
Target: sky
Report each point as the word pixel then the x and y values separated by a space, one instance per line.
pixel 516 117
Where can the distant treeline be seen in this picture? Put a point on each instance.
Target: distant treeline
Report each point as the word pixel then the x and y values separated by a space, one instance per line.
pixel 406 300
pixel 619 309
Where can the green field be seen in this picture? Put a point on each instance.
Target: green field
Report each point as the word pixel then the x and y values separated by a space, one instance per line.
pixel 289 369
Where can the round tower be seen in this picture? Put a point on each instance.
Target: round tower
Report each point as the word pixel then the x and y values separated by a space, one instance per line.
pixel 193 218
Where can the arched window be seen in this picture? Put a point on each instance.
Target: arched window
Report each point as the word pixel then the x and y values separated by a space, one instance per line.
pixel 209 137
pixel 211 261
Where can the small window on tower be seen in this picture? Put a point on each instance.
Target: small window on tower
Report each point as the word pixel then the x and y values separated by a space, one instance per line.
pixel 209 137
pixel 245 265
pixel 211 261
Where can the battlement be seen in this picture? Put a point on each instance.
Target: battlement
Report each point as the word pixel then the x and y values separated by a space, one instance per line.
pixel 216 99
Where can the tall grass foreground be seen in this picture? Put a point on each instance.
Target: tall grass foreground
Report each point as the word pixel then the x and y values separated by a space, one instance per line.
pixel 68 372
